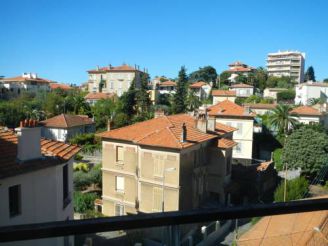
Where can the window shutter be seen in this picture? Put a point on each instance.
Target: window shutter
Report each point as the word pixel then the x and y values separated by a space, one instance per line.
pixel 158 167
pixel 119 183
pixel 157 199
pixel 119 153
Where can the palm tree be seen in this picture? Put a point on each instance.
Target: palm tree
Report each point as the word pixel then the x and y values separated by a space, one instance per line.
pixel 282 118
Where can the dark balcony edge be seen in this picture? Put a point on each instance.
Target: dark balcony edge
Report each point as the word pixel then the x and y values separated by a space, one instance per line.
pixel 73 227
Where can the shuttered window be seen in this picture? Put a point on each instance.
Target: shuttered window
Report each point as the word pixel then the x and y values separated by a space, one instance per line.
pixel 158 167
pixel 119 153
pixel 157 199
pixel 119 183
pixel 119 209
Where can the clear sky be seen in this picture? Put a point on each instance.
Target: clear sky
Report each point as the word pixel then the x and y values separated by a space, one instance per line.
pixel 61 39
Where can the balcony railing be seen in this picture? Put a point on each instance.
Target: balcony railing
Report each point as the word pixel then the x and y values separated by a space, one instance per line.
pixel 76 227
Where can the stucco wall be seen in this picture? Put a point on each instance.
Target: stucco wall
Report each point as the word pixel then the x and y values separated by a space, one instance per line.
pixel 217 99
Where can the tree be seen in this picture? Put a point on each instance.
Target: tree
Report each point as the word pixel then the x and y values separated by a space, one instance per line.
pixel 261 76
pixel 325 80
pixel 296 189
pixel 309 74
pixel 286 96
pixel 128 100
pixel 207 74
pixel 193 101
pixel 81 180
pixel 179 105
pixel 142 96
pixel 102 111
pixel 84 201
pixel 282 119
pixel 223 79
pixel 284 81
pixel 307 149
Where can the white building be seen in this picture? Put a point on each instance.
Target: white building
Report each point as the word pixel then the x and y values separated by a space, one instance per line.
pixel 242 119
pixel 201 89
pixel 238 68
pixel 242 90
pixel 222 95
pixel 287 63
pixel 261 108
pixel 114 79
pixel 167 87
pixel 63 127
pixel 36 181
pixel 310 115
pixel 30 82
pixel 311 90
pixel 272 92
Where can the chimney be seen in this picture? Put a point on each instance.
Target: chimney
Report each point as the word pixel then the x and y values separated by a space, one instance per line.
pixel 211 124
pixel 29 135
pixel 183 133
pixel 201 122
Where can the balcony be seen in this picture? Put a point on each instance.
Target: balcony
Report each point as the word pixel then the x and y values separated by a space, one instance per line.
pixel 203 225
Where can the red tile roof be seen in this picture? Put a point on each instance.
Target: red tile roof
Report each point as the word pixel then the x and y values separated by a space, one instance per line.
pixel 224 93
pixel 241 85
pixel 224 143
pixel 240 69
pixel 66 121
pixel 98 95
pixel 222 129
pixel 53 152
pixel 167 83
pixel 54 86
pixel 163 131
pixel 306 111
pixel 198 84
pixel 260 105
pixel 23 79
pixel 228 108
pixel 122 68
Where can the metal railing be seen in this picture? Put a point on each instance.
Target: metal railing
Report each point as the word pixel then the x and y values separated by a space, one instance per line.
pixel 75 227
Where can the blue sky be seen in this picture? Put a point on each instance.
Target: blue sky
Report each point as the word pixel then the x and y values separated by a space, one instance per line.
pixel 61 39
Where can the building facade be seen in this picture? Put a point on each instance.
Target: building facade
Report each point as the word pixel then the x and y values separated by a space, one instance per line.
pixel 36 178
pixel 310 115
pixel 242 90
pixel 287 63
pixel 272 92
pixel 93 97
pixel 167 87
pixel 114 79
pixel 201 89
pixel 311 90
pixel 222 95
pixel 165 164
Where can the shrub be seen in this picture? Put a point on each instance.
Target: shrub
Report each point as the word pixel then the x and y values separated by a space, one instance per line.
pixel 286 96
pixel 84 201
pixel 296 189
pixel 81 180
pixel 95 175
pixel 277 159
pixel 81 167
pixel 78 157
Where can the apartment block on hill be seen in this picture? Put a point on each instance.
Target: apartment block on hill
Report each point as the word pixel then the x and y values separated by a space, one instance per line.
pixel 36 177
pixel 311 90
pixel 167 163
pixel 241 118
pixel 114 79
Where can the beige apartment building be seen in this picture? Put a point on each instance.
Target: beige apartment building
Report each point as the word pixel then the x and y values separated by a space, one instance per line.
pixel 167 163
pixel 222 95
pixel 287 63
pixel 114 79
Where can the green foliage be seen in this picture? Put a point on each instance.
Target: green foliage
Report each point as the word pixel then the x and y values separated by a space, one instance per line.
pixel 95 175
pixel 224 78
pixel 241 79
pixel 142 96
pixel 193 101
pixel 309 74
pixel 207 74
pixel 121 119
pixel 307 149
pixel 281 118
pixel 255 220
pixel 78 157
pixel 286 96
pixel 253 99
pixel 88 142
pixel 277 159
pixel 325 80
pixel 240 100
pixel 279 82
pixel 180 105
pixel 90 214
pixel 81 180
pixel 313 101
pixel 260 78
pixel 102 111
pixel 84 201
pixel 165 99
pixel 81 167
pixel 295 190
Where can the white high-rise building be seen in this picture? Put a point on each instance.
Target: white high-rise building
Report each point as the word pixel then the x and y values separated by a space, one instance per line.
pixel 287 63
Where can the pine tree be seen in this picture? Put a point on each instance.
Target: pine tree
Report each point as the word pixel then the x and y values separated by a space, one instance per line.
pixel 180 97
pixel 309 75
pixel 142 96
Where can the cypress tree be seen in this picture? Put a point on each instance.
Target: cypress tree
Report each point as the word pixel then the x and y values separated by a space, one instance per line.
pixel 309 75
pixel 180 97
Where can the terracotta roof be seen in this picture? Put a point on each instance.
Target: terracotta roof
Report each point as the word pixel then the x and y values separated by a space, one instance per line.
pixel 224 143
pixel 54 86
pixel 98 95
pixel 263 166
pixel 167 83
pixel 53 152
pixel 66 121
pixel 240 69
pixel 122 68
pixel 222 129
pixel 237 63
pixel 289 229
pixel 261 105
pixel 306 110
pixel 163 131
pixel 198 84
pixel 23 79
pixel 241 85
pixel 313 84
pixel 223 93
pixel 228 108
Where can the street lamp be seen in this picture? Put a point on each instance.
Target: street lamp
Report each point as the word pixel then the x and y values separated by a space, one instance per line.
pixel 170 169
pixel 317 229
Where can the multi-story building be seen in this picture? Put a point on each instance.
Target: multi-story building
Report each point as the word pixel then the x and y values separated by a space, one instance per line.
pixel 261 108
pixel 287 63
pixel 240 68
pixel 310 115
pixel 36 180
pixel 114 79
pixel 201 89
pixel 165 164
pixel 311 90
pixel 222 95
pixel 167 87
pixel 241 118
pixel 64 126
pixel 242 90
pixel 30 82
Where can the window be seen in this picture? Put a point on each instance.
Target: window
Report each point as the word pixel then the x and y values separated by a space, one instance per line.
pixel 238 148
pixel 66 198
pixel 240 128
pixel 15 200
pixel 157 199
pixel 158 167
pixel 119 154
pixel 112 84
pixel 119 184
pixel 119 209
